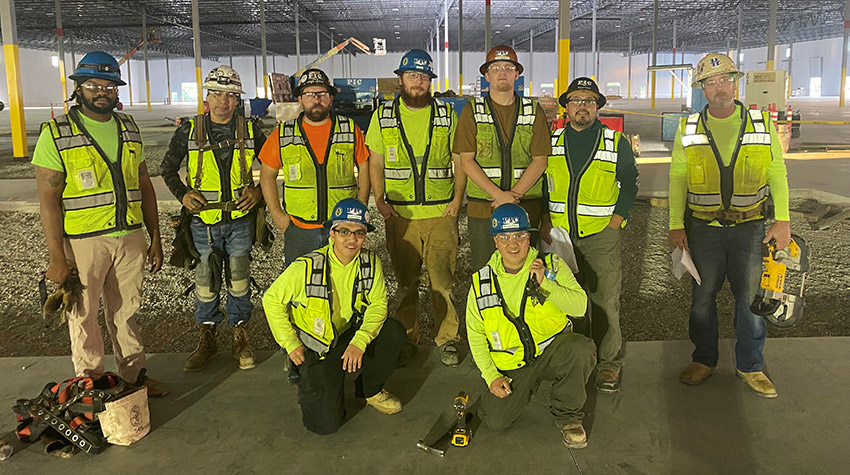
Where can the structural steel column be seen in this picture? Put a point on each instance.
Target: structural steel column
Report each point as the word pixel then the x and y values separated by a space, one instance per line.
pixel 654 50
pixel 319 42
pixel 437 63
pixel 263 47
pixel 629 89
pixel 446 38
pixel 771 35
pixel 790 59
pixel 530 63
pixel 73 54
pixel 256 79
pixel 682 84
pixel 593 41
pixel 673 76
pixel 740 36
pixel 145 51
pixel 460 47
pixel 60 40
pixel 129 81
pixel 297 37
pixel 562 81
pixel 167 77
pixel 487 25
pixel 196 42
pixel 845 46
pixel 13 80
pixel 231 55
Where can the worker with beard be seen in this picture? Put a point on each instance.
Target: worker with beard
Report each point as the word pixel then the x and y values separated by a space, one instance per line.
pixel 726 161
pixel 219 148
pixel 95 193
pixel 318 152
pixel 419 186
pixel 503 142
pixel 591 184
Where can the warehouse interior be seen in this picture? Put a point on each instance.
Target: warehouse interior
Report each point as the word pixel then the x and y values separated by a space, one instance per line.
pixel 641 53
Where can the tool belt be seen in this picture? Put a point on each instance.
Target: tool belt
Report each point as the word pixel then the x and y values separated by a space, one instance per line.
pixel 728 217
pixel 72 409
pixel 223 205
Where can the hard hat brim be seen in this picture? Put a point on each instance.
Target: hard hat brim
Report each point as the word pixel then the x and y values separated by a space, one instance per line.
pixel 223 89
pixel 83 77
pixel 485 66
pixel 329 224
pixel 493 233
pixel 398 72
pixel 297 91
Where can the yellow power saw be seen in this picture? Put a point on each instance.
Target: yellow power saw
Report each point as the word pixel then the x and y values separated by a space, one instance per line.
pixel 778 306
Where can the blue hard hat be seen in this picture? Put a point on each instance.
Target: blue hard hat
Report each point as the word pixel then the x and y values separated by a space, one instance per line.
pixel 100 65
pixel 416 60
pixel 509 218
pixel 350 210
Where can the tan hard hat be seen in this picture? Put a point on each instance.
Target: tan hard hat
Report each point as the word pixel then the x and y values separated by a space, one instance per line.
pixel 500 53
pixel 224 78
pixel 713 64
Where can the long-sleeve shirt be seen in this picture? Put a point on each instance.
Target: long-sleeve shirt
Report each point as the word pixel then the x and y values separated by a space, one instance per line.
pixel 290 287
pixel 725 134
pixel 565 292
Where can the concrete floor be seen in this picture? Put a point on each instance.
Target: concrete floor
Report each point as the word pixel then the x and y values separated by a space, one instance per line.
pixel 223 420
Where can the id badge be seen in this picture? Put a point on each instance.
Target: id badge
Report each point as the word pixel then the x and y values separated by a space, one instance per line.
pixel 497 341
pixel 87 180
pixel 391 154
pixel 319 326
pixel 294 172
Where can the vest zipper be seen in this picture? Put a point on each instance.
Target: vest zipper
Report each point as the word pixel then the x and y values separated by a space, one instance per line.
pixel 525 337
pixel 575 181
pixel 321 169
pixel 418 180
pixel 506 182
pixel 727 173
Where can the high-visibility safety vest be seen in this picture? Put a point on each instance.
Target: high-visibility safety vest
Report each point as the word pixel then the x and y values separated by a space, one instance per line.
pixel 313 321
pixel 734 193
pixel 210 182
pixel 100 196
pixel 404 182
pixel 516 340
pixel 587 208
pixel 311 190
pixel 504 163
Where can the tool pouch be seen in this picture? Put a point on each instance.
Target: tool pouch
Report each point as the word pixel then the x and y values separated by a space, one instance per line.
pixel 183 254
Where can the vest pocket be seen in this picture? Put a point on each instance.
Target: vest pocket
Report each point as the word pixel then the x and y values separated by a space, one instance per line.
pixel 484 148
pixel 696 173
pixel 755 169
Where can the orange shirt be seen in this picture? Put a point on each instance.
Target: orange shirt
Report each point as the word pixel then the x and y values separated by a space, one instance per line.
pixel 317 137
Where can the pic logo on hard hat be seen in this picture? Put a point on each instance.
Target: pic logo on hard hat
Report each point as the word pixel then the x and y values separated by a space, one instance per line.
pixel 510 222
pixel 421 62
pixel 584 82
pixel 502 54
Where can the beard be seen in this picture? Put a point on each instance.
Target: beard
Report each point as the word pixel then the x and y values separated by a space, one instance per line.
pixel 91 104
pixel 415 101
pixel 582 120
pixel 317 113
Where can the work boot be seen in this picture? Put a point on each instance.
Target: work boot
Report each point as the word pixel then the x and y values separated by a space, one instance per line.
pixel 574 436
pixel 449 354
pixel 240 349
pixel 384 402
pixel 204 352
pixel 695 373
pixel 155 387
pixel 608 381
pixel 759 382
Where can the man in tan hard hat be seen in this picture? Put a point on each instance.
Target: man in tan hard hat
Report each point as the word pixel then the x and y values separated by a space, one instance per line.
pixel 727 162
pixel 219 148
pixel 503 143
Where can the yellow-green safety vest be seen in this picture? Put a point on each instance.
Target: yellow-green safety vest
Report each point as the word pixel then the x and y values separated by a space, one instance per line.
pixel 516 340
pixel 503 163
pixel 313 321
pixel 211 182
pixel 404 182
pixel 100 196
pixel 311 190
pixel 585 209
pixel 740 188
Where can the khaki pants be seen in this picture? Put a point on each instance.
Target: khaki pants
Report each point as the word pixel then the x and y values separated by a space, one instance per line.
pixel 434 241
pixel 112 268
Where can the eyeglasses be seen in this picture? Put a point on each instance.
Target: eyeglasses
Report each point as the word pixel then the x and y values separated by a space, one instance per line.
pixel 582 102
pixel 717 82
pixel 513 237
pixel 315 95
pixel 359 234
pixel 417 76
pixel 222 95
pixel 505 67
pixel 95 88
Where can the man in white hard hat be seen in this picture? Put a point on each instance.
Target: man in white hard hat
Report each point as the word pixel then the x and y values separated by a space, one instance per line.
pixel 221 196
pixel 727 162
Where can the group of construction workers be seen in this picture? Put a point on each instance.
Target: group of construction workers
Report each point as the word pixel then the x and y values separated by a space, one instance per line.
pixel 531 316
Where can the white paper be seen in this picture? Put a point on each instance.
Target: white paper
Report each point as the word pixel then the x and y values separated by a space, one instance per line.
pixel 682 263
pixel 562 246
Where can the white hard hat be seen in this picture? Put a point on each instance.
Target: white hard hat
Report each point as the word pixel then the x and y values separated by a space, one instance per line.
pixel 223 78
pixel 713 64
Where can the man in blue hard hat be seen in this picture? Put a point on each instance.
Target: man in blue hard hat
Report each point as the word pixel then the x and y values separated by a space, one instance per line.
pixel 221 199
pixel 419 185
pixel 95 194
pixel 519 329
pixel 331 305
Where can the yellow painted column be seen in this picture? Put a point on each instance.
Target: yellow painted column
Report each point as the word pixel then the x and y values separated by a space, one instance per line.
pixel 13 79
pixel 201 91
pixel 845 46
pixel 562 81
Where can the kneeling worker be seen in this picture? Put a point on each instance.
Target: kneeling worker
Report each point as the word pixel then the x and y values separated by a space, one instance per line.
pixel 520 333
pixel 331 305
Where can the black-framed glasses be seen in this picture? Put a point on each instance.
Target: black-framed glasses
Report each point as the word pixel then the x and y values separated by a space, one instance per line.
pixel 582 102
pixel 513 237
pixel 359 234
pixel 95 88
pixel 417 75
pixel 316 95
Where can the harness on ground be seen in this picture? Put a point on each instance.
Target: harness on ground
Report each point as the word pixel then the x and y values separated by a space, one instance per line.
pixel 778 307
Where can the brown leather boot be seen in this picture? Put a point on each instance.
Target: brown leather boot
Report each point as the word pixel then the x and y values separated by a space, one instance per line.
pixel 204 352
pixel 240 349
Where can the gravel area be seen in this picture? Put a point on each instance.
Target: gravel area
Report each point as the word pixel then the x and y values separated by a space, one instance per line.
pixel 654 305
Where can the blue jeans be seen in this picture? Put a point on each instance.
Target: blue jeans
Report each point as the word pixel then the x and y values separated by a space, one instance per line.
pixel 733 253
pixel 235 238
pixel 299 241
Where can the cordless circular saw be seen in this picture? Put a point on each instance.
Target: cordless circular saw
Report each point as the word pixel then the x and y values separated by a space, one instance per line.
pixel 778 306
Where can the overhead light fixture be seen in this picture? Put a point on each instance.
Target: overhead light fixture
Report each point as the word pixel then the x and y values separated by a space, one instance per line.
pixel 507 26
pixel 395 9
pixel 497 32
pixel 332 28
